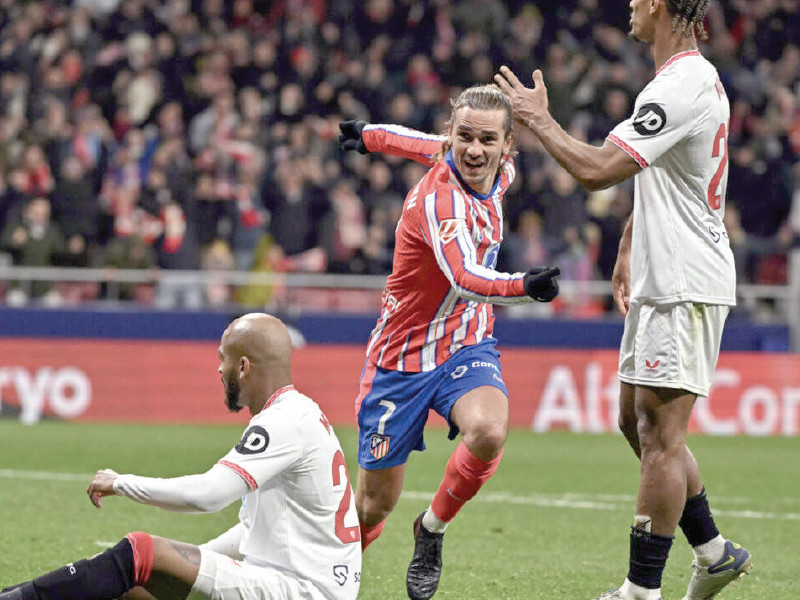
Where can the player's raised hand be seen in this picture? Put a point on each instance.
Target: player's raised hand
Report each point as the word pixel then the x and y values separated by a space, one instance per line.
pixel 102 485
pixel 529 104
pixel 350 139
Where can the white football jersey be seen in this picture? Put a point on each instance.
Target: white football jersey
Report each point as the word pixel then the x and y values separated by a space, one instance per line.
pixel 679 136
pixel 299 516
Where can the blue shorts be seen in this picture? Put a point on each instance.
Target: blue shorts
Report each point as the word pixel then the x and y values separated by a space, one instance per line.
pixel 395 404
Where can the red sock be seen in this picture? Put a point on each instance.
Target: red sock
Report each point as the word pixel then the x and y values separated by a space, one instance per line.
pixel 370 534
pixel 142 544
pixel 463 477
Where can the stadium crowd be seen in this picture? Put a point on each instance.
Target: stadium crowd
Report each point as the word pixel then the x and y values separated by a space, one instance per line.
pixel 202 134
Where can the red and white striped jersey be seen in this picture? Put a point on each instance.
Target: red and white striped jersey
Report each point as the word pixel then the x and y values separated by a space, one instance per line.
pixel 438 297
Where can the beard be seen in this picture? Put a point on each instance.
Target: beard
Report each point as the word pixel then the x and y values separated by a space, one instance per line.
pixel 232 396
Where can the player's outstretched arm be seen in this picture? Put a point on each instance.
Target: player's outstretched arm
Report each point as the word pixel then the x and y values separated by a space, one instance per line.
pixel 595 167
pixel 207 492
pixel 457 257
pixel 390 139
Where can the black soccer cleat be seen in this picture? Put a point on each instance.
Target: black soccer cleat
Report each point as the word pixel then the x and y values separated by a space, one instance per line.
pixel 425 569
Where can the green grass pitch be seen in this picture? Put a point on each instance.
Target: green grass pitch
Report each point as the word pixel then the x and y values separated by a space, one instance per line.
pixel 552 523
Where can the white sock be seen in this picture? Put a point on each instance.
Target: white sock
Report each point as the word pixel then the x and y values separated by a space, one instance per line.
pixel 710 552
pixel 631 591
pixel 643 522
pixel 433 523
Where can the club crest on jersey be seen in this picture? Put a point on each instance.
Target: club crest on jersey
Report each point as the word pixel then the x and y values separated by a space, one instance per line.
pixel 650 119
pixel 448 229
pixel 378 445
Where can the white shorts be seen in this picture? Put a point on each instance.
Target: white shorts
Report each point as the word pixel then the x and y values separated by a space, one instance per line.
pixel 223 578
pixel 672 346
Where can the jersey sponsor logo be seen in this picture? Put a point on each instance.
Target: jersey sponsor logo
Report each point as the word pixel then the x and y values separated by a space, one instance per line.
pixel 716 236
pixel 254 440
pixel 650 119
pixel 340 573
pixel 490 260
pixel 389 301
pixel 459 371
pixel 448 229
pixel 482 363
pixel 379 445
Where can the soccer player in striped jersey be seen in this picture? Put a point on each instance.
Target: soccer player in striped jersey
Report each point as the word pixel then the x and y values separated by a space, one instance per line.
pixel 674 281
pixel 432 347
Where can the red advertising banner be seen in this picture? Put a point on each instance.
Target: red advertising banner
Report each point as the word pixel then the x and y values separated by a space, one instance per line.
pixel 163 381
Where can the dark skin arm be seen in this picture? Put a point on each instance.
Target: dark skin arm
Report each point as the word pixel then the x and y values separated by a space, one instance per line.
pixel 595 167
pixel 621 277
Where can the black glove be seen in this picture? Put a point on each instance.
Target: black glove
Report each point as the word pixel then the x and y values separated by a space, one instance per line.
pixel 351 136
pixel 540 283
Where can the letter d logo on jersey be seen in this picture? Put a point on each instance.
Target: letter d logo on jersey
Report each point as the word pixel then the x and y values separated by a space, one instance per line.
pixel 254 440
pixel 650 119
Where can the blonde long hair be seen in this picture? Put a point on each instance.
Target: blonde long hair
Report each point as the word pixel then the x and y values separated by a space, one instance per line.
pixel 480 97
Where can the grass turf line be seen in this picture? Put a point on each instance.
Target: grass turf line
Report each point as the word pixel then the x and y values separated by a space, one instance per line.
pixel 553 521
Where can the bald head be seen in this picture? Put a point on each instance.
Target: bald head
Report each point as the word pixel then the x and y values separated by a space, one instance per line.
pixel 256 353
pixel 262 338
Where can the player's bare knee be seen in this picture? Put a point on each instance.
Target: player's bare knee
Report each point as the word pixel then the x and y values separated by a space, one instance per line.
pixel 166 552
pixel 371 513
pixel 486 440
pixel 660 440
pixel 373 508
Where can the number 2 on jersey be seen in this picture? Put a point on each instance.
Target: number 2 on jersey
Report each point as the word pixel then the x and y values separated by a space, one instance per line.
pixel 720 145
pixel 346 535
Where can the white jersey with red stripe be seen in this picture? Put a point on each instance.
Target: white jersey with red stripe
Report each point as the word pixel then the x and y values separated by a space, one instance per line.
pixel 438 297
pixel 299 516
pixel 678 135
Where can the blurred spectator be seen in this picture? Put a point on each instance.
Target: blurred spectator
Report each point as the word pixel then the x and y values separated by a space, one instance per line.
pixel 230 110
pixel 526 245
pixel 609 211
pixel 33 240
pixel 217 122
pixel 268 260
pixel 128 252
pixel 33 176
pixel 177 250
pixel 348 228
pixel 488 16
pixel 299 211
pixel 577 260
pixel 249 226
pixel 217 258
pixel 74 202
pixel 563 206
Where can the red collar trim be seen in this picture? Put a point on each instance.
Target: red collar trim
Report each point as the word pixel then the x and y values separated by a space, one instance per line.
pixel 274 396
pixel 678 57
